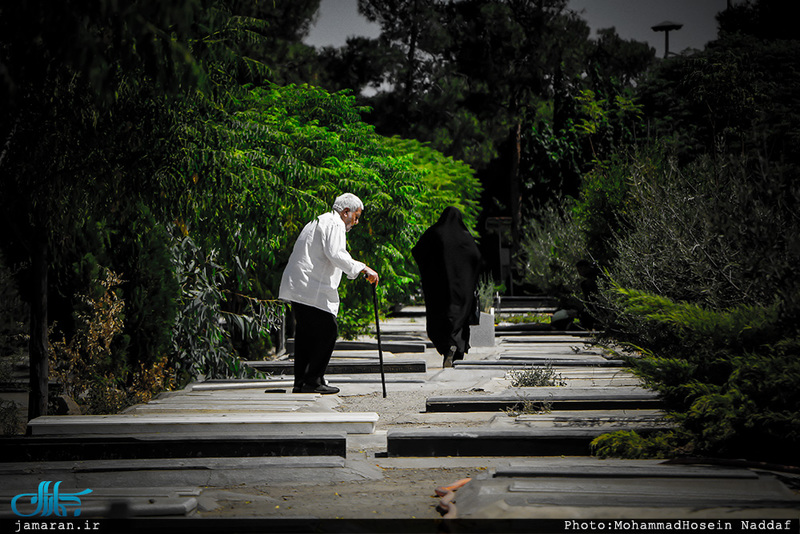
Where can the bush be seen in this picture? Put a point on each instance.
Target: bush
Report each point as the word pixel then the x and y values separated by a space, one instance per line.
pixel 551 245
pixel 705 287
pixel 85 365
pixel 534 377
pixel 202 338
pixel 701 235
pixel 730 377
pixel 630 444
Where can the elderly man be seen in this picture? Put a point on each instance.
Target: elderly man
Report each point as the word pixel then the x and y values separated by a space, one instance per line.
pixel 310 283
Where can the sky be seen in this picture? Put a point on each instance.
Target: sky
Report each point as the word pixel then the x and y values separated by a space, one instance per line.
pixel 633 19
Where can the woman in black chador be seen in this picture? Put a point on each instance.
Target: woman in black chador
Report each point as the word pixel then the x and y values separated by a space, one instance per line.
pixel 449 262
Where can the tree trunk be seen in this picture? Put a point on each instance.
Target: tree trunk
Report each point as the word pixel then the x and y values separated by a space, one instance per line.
pixel 515 189
pixel 411 58
pixel 37 350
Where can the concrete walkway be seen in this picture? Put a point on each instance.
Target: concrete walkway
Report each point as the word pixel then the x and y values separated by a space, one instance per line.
pixel 249 448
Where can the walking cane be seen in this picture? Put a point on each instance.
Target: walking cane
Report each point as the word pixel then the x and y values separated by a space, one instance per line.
pixel 378 331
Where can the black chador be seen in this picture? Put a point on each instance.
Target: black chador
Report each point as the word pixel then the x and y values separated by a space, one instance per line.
pixel 449 263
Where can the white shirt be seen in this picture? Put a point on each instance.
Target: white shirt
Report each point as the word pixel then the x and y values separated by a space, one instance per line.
pixel 317 262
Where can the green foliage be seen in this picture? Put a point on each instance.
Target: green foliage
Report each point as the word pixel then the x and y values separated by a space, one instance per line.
pixel 461 73
pixel 446 181
pixel 87 114
pixel 598 118
pixel 99 158
pixel 525 318
pixel 701 244
pixel 12 312
pixel 137 247
pixel 201 343
pixel 630 444
pixel 728 377
pixel 732 98
pixel 711 234
pixel 602 205
pixel 551 246
pixel 275 158
pixel 616 64
pixel 487 291
pixel 150 290
pixel 534 377
pixel 86 367
pixel 738 327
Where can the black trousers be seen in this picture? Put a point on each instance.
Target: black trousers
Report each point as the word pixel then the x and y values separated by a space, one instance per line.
pixel 314 338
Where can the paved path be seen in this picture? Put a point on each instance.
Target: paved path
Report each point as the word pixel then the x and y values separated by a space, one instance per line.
pixel 250 449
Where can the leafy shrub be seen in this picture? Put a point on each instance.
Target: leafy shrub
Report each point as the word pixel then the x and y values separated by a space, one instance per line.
pixel 529 407
pixel 85 365
pixel 139 250
pixel 728 377
pixel 630 444
pixel 705 286
pixel 447 181
pixel 13 313
pixel 534 377
pixel 487 291
pixel 203 332
pixel 551 245
pixel 683 245
pixel 604 204
pixel 10 421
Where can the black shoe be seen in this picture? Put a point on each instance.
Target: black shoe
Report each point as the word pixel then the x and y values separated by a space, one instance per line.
pixel 321 389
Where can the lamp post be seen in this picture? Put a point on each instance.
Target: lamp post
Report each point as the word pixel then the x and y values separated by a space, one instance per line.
pixel 666 27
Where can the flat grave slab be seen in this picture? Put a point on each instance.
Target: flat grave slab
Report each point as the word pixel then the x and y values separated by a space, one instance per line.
pixel 345 367
pixel 179 472
pixel 619 491
pixel 547 350
pixel 549 356
pixel 525 300
pixel 387 346
pixel 609 419
pixel 542 329
pixel 556 398
pixel 222 398
pixel 49 449
pixel 261 424
pixel 224 408
pixel 210 386
pixel 538 362
pixel 623 470
pixel 552 341
pixel 250 394
pixel 481 441
pixel 141 507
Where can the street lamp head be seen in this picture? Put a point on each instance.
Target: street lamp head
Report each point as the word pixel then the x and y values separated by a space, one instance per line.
pixel 667 26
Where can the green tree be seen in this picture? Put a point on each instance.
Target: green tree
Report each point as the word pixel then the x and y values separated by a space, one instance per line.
pixel 411 32
pixel 88 105
pixel 275 157
pixel 446 181
pixel 72 73
pixel 466 76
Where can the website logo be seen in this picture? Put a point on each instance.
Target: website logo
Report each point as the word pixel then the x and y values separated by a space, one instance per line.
pixel 49 503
